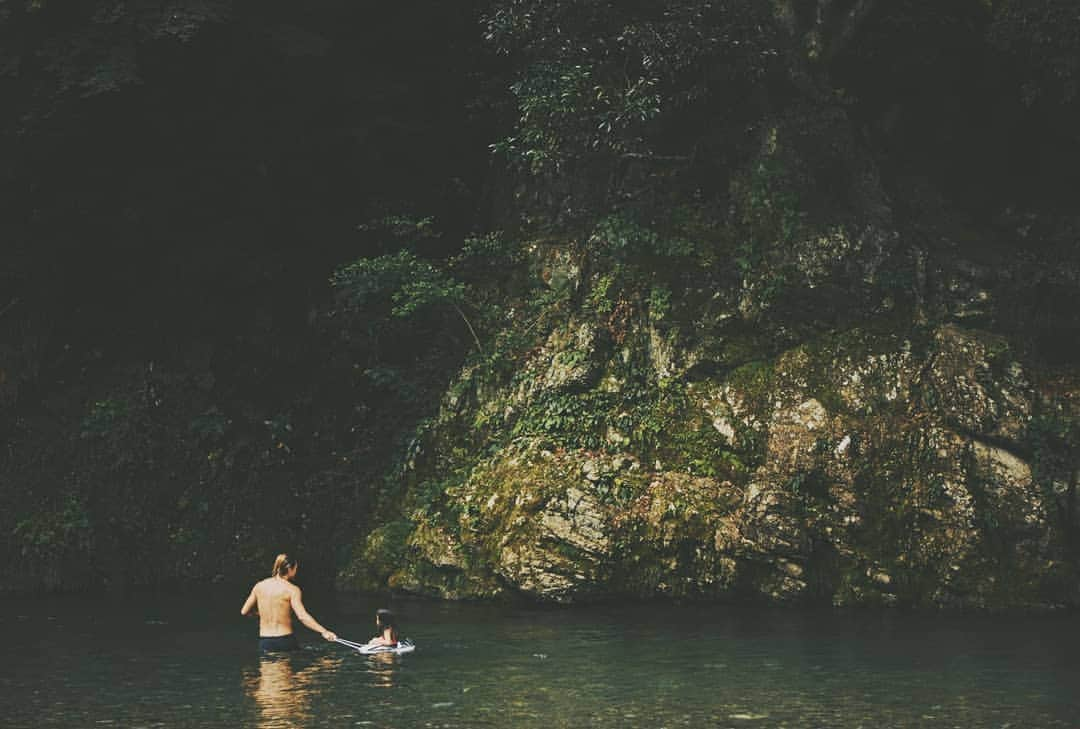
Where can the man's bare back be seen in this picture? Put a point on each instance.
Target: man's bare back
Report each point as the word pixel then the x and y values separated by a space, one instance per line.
pixel 275 599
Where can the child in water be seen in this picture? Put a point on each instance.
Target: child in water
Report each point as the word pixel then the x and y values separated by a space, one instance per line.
pixel 384 620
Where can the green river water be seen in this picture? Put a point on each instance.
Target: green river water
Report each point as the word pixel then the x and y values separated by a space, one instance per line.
pixel 158 662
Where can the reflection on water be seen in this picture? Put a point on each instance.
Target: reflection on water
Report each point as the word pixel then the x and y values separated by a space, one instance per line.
pixel 491 666
pixel 283 692
pixel 285 687
pixel 381 669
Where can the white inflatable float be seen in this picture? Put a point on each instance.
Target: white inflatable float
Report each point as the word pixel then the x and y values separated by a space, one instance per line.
pixel 403 646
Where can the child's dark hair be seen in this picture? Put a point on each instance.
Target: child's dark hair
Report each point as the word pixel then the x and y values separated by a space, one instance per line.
pixel 385 618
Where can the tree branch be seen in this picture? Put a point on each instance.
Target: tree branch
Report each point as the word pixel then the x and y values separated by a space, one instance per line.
pixel 470 326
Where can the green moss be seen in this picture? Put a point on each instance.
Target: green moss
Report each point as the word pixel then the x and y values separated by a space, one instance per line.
pixel 754 381
pixel 736 351
pixel 449 583
pixel 380 554
pixel 505 488
pixel 683 438
pixel 677 538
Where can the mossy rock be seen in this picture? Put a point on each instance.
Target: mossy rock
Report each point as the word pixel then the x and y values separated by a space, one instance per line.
pixel 839 470
pixel 379 555
pixel 678 538
pixel 542 518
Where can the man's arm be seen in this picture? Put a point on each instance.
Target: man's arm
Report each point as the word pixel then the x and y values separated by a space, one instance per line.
pixel 307 619
pixel 250 605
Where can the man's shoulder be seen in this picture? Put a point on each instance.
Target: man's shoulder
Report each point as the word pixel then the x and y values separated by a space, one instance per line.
pixel 282 587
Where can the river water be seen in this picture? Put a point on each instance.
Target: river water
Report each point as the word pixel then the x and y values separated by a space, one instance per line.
pixel 156 662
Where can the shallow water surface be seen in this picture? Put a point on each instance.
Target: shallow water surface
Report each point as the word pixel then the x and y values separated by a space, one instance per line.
pixel 161 663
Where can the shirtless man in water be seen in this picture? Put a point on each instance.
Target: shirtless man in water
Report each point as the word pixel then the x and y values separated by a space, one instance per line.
pixel 274 600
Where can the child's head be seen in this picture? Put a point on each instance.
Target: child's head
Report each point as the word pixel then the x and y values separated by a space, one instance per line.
pixel 384 619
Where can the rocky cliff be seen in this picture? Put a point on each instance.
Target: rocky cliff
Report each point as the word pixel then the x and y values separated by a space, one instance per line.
pixel 837 397
pixel 917 466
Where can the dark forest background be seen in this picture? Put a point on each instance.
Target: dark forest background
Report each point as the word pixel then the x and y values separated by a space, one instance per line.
pixel 183 392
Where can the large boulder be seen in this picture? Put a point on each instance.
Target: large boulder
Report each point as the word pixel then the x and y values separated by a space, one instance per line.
pixel 869 468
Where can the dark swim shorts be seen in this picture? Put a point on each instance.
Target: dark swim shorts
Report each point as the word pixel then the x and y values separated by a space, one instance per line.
pixel 278 643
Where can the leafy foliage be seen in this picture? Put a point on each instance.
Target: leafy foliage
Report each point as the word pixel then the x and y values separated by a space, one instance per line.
pixel 596 74
pixel 409 283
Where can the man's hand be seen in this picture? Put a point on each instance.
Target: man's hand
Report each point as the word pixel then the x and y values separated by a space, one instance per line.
pixel 329 635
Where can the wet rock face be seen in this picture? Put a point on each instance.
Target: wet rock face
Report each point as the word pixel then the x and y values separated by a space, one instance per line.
pixel 980 390
pixel 566 554
pixel 564 361
pixel 876 469
pixel 540 521
pixel 896 495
